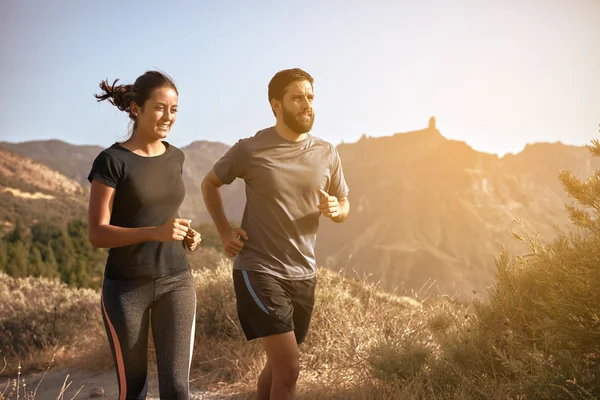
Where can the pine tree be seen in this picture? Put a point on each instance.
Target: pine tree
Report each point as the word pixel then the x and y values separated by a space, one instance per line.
pixel 44 232
pixel 17 260
pixel 550 298
pixel 18 232
pixel 3 255
pixel 65 257
pixel 51 264
pixel 77 230
pixel 36 267
pixel 66 270
pixel 586 193
pixel 83 279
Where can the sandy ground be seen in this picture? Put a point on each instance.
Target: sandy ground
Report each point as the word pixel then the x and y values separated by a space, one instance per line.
pixel 50 387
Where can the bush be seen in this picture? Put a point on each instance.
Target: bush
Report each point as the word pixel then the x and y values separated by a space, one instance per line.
pixel 40 317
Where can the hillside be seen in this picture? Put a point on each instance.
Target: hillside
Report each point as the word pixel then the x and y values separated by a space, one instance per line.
pixel 427 210
pixel 75 162
pixel 200 156
pixel 31 190
pixel 424 209
pixel 71 160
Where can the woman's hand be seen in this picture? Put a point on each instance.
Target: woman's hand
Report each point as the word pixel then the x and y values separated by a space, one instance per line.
pixel 193 239
pixel 174 229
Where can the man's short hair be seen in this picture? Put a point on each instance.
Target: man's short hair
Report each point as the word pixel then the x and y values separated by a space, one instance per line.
pixel 283 78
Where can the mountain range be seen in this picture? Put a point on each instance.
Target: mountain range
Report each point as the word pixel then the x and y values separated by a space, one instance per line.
pixel 426 211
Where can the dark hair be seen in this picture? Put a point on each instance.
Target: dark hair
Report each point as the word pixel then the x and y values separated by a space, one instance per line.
pixel 283 78
pixel 121 96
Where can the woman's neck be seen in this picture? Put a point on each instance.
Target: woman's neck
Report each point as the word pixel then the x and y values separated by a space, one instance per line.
pixel 144 147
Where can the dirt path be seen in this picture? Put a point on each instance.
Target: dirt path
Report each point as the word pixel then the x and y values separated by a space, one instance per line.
pixel 52 383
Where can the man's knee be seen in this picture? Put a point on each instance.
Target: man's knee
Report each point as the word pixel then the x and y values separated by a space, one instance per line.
pixel 287 375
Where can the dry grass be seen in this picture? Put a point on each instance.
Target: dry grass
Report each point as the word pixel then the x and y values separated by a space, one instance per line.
pixel 363 343
pixel 354 339
pixel 17 388
pixel 42 319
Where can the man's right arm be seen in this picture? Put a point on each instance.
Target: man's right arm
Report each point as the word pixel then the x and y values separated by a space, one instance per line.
pixel 213 198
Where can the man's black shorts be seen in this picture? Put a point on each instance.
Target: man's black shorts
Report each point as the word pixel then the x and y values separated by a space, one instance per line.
pixel 268 305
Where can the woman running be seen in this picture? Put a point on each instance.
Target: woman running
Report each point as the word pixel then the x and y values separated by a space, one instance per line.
pixel 136 191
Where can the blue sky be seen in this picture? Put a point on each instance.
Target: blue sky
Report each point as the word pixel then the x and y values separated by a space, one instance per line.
pixel 496 74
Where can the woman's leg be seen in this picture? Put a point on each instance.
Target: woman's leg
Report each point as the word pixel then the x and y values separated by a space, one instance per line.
pixel 125 310
pixel 173 319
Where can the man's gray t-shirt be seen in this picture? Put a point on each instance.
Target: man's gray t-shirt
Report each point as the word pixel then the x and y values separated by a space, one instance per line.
pixel 281 217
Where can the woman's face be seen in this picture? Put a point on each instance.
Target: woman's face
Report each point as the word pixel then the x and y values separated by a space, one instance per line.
pixel 158 114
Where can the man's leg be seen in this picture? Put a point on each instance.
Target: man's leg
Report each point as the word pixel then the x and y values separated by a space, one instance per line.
pixel 263 389
pixel 265 311
pixel 304 292
pixel 303 301
pixel 284 363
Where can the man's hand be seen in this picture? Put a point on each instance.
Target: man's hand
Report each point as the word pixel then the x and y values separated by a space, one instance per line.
pixel 192 239
pixel 329 206
pixel 231 241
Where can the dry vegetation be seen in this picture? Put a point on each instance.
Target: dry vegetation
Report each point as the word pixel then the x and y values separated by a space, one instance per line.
pixel 535 336
pixel 40 317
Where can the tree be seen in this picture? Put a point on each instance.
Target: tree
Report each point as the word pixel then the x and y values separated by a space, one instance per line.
pixel 18 232
pixel 586 193
pixel 82 276
pixel 545 304
pixel 52 249
pixel 3 255
pixel 44 232
pixel 36 266
pixel 51 264
pixel 17 260
pixel 77 230
pixel 65 257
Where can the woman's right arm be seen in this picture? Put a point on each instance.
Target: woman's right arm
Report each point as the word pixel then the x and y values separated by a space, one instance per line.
pixel 103 235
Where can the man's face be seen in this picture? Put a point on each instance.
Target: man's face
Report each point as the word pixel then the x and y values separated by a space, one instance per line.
pixel 297 107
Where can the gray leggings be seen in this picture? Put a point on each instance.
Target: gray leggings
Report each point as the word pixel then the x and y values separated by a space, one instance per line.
pixel 128 309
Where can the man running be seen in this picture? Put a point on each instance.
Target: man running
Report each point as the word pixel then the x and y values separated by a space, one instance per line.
pixel 291 178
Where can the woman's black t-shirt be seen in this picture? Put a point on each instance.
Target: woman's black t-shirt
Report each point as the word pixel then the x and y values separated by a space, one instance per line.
pixel 148 192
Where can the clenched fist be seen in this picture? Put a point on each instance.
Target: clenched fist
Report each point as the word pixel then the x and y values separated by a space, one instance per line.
pixel 329 206
pixel 193 239
pixel 231 241
pixel 173 229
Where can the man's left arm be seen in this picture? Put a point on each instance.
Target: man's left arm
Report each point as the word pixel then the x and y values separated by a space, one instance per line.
pixel 344 210
pixel 333 208
pixel 338 203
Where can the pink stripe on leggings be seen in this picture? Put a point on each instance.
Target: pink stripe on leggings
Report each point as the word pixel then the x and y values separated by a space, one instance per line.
pixel 119 356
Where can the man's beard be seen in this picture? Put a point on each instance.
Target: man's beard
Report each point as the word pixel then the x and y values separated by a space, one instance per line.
pixel 296 124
